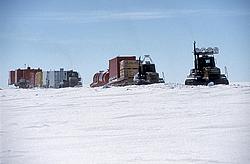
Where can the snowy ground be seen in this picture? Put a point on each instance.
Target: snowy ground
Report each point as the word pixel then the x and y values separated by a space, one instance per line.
pixel 135 124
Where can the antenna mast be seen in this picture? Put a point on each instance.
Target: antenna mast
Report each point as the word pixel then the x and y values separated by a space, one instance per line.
pixel 195 58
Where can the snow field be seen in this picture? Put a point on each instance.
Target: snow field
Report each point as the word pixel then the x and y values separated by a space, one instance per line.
pixel 134 124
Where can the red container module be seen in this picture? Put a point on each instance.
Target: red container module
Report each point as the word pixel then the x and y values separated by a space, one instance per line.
pixel 11 77
pixel 114 66
pixel 24 78
pixel 18 75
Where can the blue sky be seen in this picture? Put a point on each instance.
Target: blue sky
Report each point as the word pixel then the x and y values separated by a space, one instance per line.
pixel 84 35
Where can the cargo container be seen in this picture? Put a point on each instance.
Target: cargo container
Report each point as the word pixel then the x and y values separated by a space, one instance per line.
pixel 128 73
pixel 18 75
pixel 130 64
pixel 39 79
pixel 23 78
pixel 11 77
pixel 61 79
pixel 28 78
pixel 57 78
pixel 114 66
pixel 45 79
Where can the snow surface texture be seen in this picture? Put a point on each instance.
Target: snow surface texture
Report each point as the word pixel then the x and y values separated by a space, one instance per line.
pixel 134 124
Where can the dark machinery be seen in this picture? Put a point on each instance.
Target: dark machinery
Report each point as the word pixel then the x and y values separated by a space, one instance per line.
pixel 72 80
pixel 23 83
pixel 205 71
pixel 146 72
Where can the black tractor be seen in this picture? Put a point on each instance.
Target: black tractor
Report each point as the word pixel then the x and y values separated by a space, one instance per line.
pixel 146 72
pixel 205 72
pixel 73 79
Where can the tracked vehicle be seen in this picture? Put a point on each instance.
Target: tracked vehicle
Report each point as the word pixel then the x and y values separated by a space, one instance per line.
pixel 205 72
pixel 146 72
